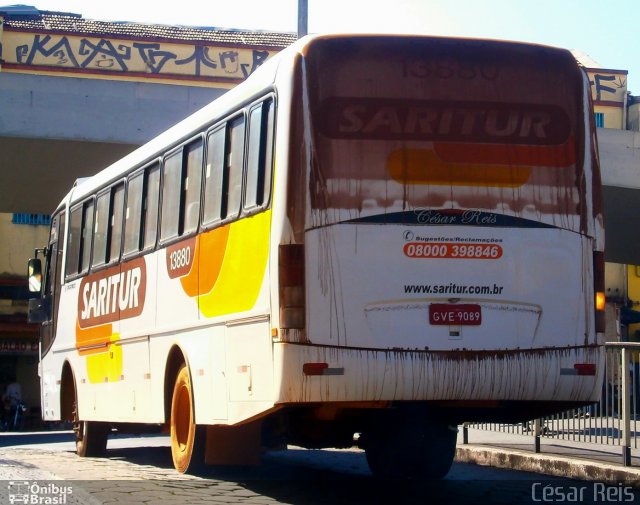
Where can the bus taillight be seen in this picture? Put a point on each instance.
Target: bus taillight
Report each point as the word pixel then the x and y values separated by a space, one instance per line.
pixel 585 368
pixel 598 288
pixel 291 277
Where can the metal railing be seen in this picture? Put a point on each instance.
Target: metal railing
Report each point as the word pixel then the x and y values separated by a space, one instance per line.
pixel 612 421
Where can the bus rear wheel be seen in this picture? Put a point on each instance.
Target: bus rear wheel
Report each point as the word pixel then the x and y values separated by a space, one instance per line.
pixel 411 450
pixel 91 436
pixel 187 439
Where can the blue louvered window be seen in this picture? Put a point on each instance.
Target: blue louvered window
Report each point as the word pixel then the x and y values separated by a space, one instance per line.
pixel 32 219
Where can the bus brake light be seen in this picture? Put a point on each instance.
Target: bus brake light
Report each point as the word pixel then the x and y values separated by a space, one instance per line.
pixel 321 369
pixel 585 368
pixel 291 286
pixel 314 368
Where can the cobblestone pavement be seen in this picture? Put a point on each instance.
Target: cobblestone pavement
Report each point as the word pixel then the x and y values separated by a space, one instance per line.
pixel 142 473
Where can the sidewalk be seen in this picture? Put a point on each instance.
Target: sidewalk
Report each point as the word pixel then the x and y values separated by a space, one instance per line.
pixel 560 458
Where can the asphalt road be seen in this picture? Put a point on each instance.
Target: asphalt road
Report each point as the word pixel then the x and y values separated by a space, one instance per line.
pixel 139 470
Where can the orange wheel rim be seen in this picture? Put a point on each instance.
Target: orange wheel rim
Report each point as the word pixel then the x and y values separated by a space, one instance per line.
pixel 182 422
pixel 183 418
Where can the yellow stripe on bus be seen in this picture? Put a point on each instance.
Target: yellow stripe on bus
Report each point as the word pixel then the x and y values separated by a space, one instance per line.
pixel 106 366
pixel 242 270
pixel 103 357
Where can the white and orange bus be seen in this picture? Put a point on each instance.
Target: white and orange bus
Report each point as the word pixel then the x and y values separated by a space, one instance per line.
pixel 372 235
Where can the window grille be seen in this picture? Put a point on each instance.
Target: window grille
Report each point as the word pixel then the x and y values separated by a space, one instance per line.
pixel 32 219
pixel 599 119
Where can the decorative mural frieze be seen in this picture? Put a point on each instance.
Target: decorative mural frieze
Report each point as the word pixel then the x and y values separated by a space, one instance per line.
pixel 168 60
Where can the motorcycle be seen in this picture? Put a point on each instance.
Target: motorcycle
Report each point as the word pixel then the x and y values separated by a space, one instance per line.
pixel 14 419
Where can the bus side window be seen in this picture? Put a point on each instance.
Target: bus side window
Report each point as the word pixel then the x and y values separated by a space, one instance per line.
pixel 151 206
pixel 56 270
pixel 181 191
pixel 51 256
pixel 107 236
pixel 101 229
pixel 234 165
pixel 259 155
pixel 213 181
pixel 52 280
pixel 51 286
pixel 171 189
pixel 115 223
pixel 79 239
pixel 192 184
pixel 73 241
pixel 133 215
pixel 86 237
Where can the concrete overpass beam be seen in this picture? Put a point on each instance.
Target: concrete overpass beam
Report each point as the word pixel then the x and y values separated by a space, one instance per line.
pixel 93 110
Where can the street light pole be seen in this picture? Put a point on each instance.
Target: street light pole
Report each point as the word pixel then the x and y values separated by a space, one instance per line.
pixel 303 17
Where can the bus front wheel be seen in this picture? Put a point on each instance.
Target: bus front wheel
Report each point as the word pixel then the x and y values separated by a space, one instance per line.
pixel 187 439
pixel 91 436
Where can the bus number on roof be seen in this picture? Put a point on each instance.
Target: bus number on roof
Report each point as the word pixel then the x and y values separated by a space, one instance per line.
pixel 450 69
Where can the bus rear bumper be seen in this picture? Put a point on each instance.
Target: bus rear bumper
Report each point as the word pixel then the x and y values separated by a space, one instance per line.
pixel 310 373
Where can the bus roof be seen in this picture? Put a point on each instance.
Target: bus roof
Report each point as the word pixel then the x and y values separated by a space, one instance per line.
pixel 260 80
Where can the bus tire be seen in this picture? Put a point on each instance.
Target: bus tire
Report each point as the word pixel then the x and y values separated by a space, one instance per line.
pixel 187 439
pixel 91 437
pixel 411 452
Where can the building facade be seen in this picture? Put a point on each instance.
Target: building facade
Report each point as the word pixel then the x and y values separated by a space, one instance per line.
pixel 616 108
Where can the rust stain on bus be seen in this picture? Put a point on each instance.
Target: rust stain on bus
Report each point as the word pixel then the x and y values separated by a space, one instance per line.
pixel 461 374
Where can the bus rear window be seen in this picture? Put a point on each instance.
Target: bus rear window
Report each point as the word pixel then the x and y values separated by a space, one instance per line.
pixel 439 124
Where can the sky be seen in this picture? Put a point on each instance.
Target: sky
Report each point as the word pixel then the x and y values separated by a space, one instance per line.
pixel 606 31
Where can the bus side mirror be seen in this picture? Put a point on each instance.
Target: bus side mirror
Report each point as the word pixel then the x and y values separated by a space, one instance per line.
pixel 34 268
pixel 37 312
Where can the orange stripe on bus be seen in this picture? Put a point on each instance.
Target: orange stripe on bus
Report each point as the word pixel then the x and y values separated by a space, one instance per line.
pixel 423 166
pixel 93 340
pixel 212 247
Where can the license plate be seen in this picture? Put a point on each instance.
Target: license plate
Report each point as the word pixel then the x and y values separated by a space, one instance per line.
pixel 455 314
